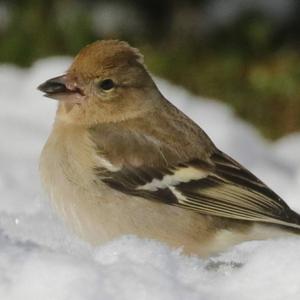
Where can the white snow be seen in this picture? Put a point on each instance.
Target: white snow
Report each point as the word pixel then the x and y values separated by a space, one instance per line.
pixel 41 259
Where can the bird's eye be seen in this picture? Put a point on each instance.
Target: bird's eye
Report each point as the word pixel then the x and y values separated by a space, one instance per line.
pixel 107 84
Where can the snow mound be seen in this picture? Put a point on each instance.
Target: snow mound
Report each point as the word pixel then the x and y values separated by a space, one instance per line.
pixel 41 259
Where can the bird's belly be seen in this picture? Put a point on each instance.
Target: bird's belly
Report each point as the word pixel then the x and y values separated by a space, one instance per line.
pixel 99 219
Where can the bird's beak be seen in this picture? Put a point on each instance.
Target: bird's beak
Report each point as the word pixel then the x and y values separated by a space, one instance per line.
pixel 62 88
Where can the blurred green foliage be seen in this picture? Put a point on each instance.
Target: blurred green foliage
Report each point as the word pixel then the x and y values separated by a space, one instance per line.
pixel 249 63
pixel 41 28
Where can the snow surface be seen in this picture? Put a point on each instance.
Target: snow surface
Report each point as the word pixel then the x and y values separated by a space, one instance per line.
pixel 41 259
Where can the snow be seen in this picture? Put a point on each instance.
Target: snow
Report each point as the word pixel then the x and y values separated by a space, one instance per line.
pixel 41 259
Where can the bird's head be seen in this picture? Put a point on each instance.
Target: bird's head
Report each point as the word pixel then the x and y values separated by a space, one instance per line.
pixel 107 82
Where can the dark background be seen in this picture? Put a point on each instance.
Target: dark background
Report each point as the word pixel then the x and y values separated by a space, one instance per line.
pixel 243 52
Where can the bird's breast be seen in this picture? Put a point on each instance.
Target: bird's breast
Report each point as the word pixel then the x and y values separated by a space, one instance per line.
pixel 67 172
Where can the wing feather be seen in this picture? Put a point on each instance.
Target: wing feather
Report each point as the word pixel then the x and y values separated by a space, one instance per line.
pixel 221 187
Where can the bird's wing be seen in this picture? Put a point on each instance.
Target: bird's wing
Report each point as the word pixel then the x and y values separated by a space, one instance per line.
pixel 220 187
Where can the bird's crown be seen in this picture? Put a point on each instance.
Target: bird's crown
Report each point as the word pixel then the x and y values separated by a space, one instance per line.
pixel 104 55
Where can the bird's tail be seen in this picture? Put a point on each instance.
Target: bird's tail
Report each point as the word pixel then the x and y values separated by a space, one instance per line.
pixel 294 223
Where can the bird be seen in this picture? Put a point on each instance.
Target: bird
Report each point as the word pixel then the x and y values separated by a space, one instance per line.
pixel 123 160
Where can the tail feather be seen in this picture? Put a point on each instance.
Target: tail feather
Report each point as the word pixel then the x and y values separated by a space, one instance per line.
pixel 293 223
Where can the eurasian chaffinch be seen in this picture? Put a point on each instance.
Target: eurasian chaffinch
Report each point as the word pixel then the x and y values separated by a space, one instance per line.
pixel 121 159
